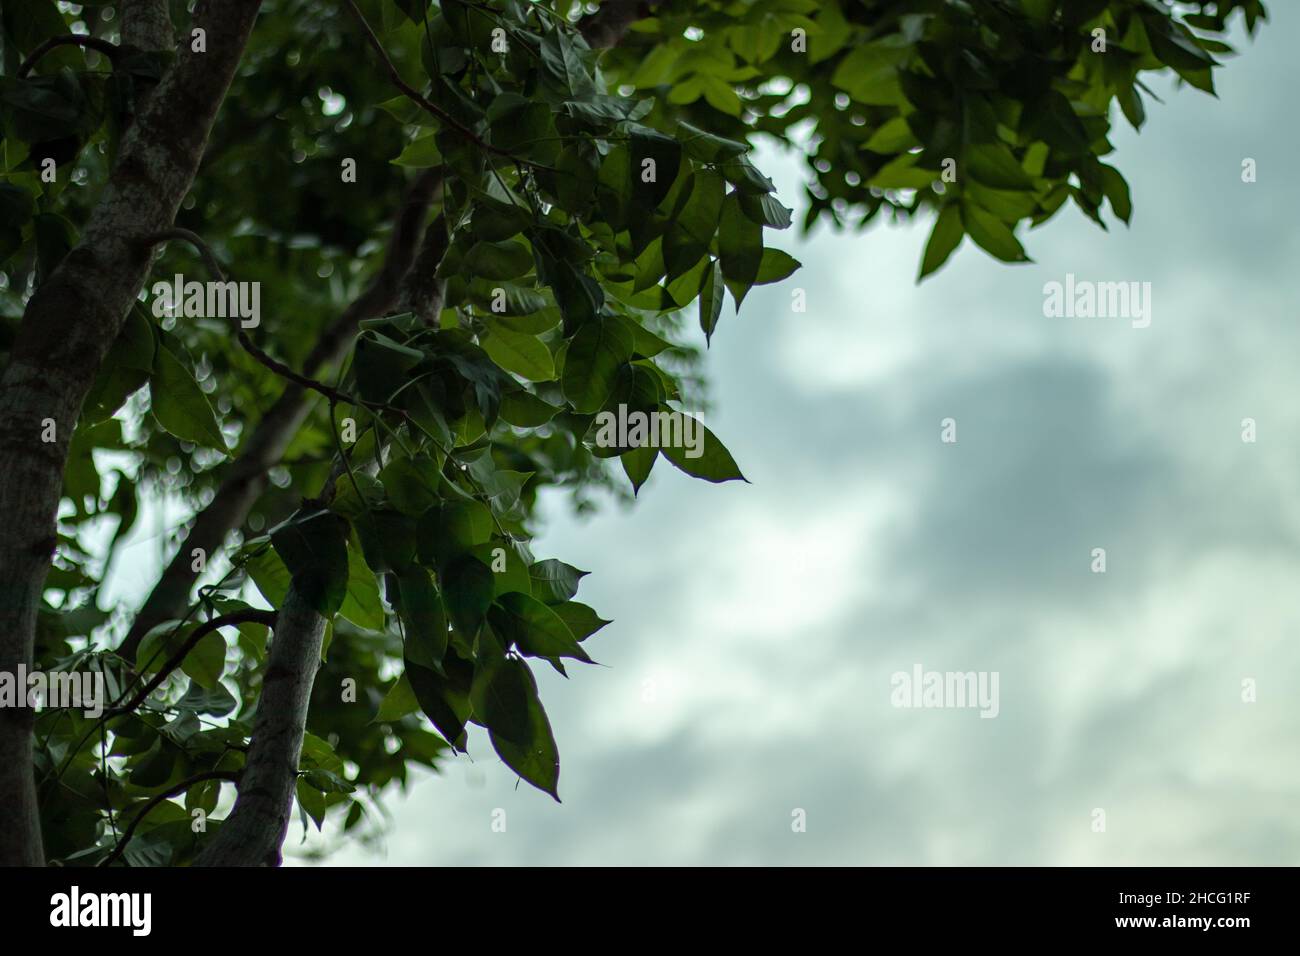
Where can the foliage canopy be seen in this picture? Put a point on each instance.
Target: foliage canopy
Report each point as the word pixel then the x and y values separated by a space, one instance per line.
pixel 579 206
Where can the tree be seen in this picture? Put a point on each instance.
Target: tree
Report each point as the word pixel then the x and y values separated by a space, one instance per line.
pixel 355 281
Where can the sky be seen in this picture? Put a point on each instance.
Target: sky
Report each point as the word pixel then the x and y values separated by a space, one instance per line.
pixel 744 710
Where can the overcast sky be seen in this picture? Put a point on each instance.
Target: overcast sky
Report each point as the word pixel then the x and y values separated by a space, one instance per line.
pixel 757 627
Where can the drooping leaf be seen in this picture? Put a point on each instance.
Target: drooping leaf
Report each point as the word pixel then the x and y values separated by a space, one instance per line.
pixel 467 588
pixel 179 404
pixel 314 547
pixel 706 458
pixel 504 699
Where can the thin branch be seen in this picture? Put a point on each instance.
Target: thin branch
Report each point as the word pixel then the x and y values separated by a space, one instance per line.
pixel 155 800
pixel 279 368
pixel 251 615
pixel 99 44
pixel 419 99
pixel 195 240
pixel 423 292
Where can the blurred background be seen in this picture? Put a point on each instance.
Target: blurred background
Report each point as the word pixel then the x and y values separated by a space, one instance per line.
pixel 756 627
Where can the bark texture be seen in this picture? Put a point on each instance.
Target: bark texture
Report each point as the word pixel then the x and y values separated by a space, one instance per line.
pixel 67 328
pixel 253 832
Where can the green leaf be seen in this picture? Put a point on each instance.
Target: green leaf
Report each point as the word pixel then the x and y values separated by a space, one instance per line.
pixel 1117 192
pixel 451 528
pixel 426 621
pixel 498 260
pixel 206 661
pixel 740 248
pixel 420 153
pixel 382 365
pixel 706 147
pixel 709 460
pixel 655 160
pixel 637 464
pixel 944 240
pixel 994 165
pixel 314 547
pixel 894 136
pixel 592 362
pixel 398 702
pixel 694 225
pixel 775 266
pixel 508 566
pixel 215 700
pixel 991 234
pixel 410 484
pixel 179 404
pixel 525 355
pixel 270 575
pixel 581 619
pixel 504 699
pixel 903 173
pixel 444 698
pixel 467 587
pixel 525 410
pixel 711 300
pixel 533 627
pixel 555 582
pixel 869 74
pixel 765 210
pixel 125 369
pixel 388 538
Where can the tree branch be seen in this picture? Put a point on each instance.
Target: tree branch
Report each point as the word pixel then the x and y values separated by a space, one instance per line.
pixel 155 800
pixel 256 827
pixel 147 25
pixel 424 290
pixel 98 44
pixel 210 260
pixel 252 615
pixel 253 832
pixel 420 100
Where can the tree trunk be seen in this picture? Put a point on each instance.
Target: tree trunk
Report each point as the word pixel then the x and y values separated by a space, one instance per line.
pixel 67 328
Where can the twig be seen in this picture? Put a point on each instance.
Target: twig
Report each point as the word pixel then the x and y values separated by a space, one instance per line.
pixel 279 368
pixel 419 99
pixel 195 240
pixel 252 615
pixel 98 44
pixel 175 791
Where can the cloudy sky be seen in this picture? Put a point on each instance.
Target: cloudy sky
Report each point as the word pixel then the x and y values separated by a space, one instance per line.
pixel 747 674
